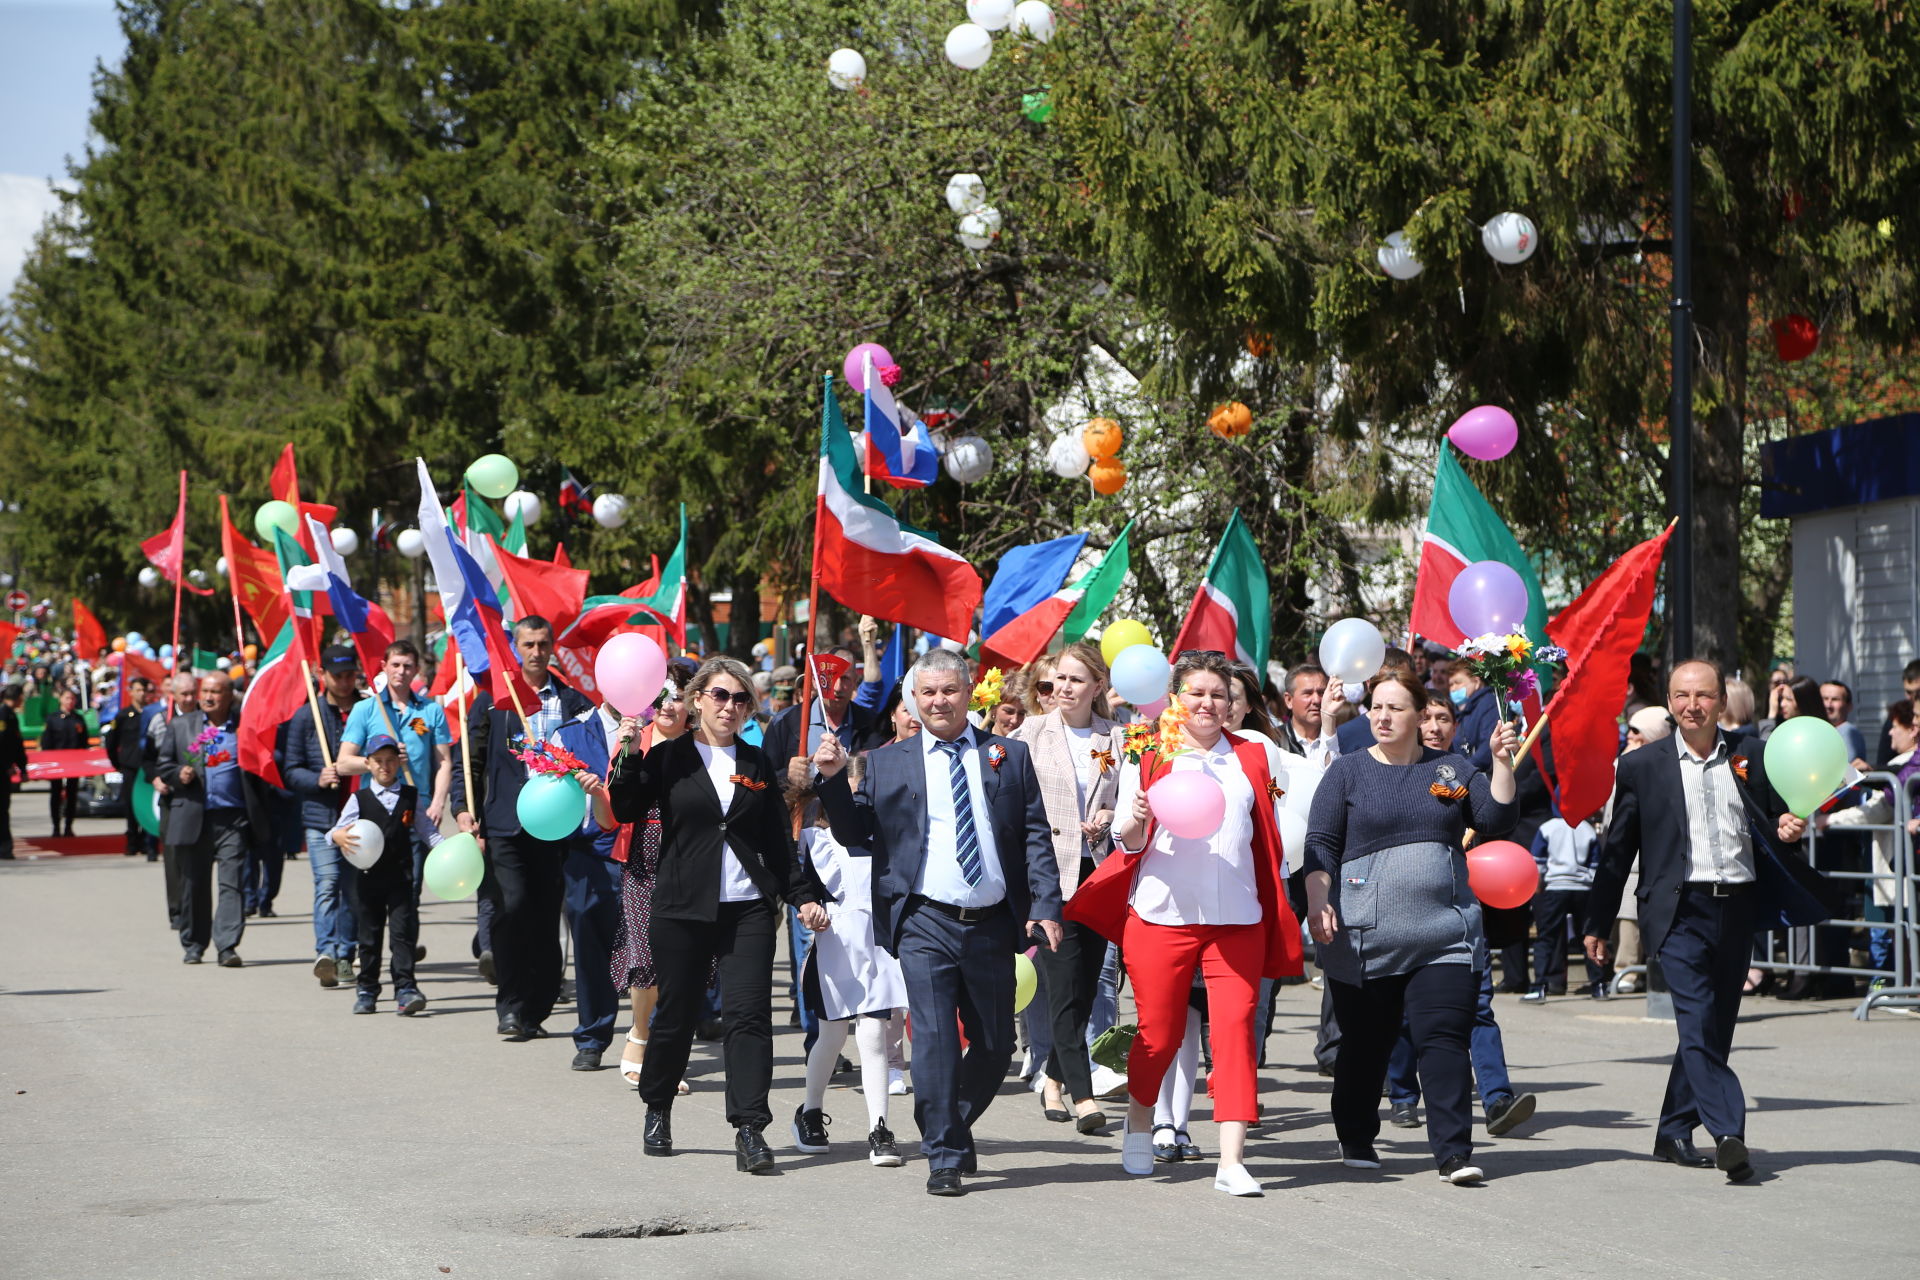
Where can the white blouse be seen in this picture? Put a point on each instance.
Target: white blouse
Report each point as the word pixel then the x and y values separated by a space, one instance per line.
pixel 1211 882
pixel 734 884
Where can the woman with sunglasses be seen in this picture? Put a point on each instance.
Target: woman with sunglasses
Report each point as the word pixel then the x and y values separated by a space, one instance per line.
pixel 726 856
pixel 1073 755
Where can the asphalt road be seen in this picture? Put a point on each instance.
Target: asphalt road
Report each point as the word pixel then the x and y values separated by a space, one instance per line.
pixel 172 1121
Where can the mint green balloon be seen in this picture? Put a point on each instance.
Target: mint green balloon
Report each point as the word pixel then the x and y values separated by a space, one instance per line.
pixel 146 804
pixel 493 475
pixel 454 868
pixel 552 806
pixel 276 515
pixel 1806 761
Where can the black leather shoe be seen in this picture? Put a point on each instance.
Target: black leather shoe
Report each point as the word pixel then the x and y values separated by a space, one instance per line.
pixel 1406 1115
pixel 528 1031
pixel 1730 1157
pixel 510 1025
pixel 657 1139
pixel 587 1060
pixel 1682 1152
pixel 1505 1114
pixel 231 960
pixel 751 1154
pixel 945 1182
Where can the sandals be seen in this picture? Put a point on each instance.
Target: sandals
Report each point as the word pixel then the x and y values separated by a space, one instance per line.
pixel 630 1071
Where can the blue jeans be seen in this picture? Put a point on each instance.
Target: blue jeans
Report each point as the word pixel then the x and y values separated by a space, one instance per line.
pixel 1484 1046
pixel 333 924
pixel 592 906
pixel 799 944
pixel 1106 998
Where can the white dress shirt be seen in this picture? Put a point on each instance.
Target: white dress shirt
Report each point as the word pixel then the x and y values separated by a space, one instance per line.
pixel 940 877
pixel 1208 881
pixel 387 796
pixel 734 884
pixel 1719 845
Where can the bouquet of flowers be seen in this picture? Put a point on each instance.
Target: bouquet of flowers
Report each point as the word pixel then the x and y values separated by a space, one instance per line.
pixel 1165 737
pixel 541 756
pixel 203 743
pixel 986 694
pixel 1509 664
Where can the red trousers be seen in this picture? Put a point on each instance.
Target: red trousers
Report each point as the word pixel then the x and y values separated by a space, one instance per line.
pixel 1160 963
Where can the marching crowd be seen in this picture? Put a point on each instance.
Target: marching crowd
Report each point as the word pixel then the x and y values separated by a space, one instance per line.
pixel 912 841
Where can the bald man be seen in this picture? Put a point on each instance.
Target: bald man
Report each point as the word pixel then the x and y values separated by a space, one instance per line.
pixel 206 821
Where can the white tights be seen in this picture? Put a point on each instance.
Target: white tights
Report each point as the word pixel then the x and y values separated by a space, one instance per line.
pixel 870 1034
pixel 1175 1103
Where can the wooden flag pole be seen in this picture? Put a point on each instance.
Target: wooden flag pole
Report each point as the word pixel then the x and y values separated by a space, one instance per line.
pixel 466 744
pixel 313 705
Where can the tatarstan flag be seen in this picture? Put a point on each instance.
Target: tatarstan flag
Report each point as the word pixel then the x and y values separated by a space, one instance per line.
pixel 869 561
pixel 1462 529
pixel 1230 610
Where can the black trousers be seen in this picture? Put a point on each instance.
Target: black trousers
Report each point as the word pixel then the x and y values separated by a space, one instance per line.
pixel 383 897
pixel 528 885
pixel 1551 909
pixel 1437 1004
pixel 1704 958
pixel 740 938
pixel 1072 980
pixel 6 814
pixel 63 801
pixel 173 861
pixel 218 857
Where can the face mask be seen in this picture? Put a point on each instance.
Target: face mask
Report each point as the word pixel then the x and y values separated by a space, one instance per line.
pixel 1457 696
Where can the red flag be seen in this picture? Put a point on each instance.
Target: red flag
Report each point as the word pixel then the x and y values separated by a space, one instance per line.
pixel 135 665
pixel 167 550
pixel 253 575
pixel 554 592
pixel 827 670
pixel 8 634
pixel 285 485
pixel 286 479
pixel 560 555
pixel 276 693
pixel 89 637
pixel 1599 631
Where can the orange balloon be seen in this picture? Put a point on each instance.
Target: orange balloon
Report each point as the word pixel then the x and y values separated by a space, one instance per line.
pixel 236 672
pixel 1231 420
pixel 1102 437
pixel 1108 476
pixel 1258 344
pixel 252 652
pixel 119 644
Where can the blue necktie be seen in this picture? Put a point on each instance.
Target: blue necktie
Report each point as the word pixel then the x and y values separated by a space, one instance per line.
pixel 966 841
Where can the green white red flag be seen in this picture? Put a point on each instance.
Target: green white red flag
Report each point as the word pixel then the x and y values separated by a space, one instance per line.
pixel 1464 529
pixel 1230 610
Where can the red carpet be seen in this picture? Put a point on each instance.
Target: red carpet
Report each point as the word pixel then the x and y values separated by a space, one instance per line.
pixel 69 846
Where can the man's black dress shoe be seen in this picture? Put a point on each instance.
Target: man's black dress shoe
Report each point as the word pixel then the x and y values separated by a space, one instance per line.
pixel 1682 1152
pixel 945 1182
pixel 587 1060
pixel 751 1154
pixel 510 1024
pixel 193 957
pixel 528 1031
pixel 231 960
pixel 1730 1157
pixel 657 1138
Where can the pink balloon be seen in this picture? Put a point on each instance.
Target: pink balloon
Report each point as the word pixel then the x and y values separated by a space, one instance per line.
pixel 630 670
pixel 1502 874
pixel 1487 432
pixel 1487 598
pixel 1188 803
pixel 1153 709
pixel 116 658
pixel 854 366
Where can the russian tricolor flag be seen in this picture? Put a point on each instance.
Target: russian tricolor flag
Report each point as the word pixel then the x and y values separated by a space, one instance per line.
pixel 899 453
pixel 368 623
pixel 471 604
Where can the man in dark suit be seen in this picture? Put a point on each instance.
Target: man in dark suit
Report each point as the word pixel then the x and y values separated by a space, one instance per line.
pixel 1699 818
pixel 126 745
pixel 524 876
pixel 13 760
pixel 963 872
pixel 206 820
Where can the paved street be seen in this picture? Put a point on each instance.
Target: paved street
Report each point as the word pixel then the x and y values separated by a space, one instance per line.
pixel 168 1121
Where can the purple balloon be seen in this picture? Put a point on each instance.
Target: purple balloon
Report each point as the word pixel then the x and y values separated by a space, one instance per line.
pixel 1487 598
pixel 854 366
pixel 1487 432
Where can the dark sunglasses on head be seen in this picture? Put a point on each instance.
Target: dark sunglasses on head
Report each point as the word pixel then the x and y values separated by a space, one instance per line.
pixel 739 697
pixel 1043 687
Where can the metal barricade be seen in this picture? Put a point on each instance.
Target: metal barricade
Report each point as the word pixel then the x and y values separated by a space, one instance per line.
pixel 1898 987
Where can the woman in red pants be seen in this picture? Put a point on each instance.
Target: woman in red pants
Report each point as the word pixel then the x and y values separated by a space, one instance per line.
pixel 1215 903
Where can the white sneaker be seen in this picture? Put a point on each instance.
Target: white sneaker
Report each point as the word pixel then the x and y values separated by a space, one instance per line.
pixel 1461 1172
pixel 1028 1066
pixel 1108 1083
pixel 1136 1152
pixel 897 1083
pixel 1236 1181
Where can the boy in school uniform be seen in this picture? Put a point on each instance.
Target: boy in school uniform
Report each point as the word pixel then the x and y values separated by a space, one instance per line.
pixel 382 894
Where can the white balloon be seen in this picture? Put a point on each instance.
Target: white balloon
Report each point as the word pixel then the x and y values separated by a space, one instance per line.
pixel 344 540
pixel 220 566
pixel 198 577
pixel 1352 650
pixel 411 543
pixel 969 458
pixel 222 663
pixel 846 69
pixel 1293 837
pixel 149 577
pixel 994 15
pixel 1067 456
pixel 1032 18
pixel 990 218
pixel 371 840
pixel 969 46
pixel 966 192
pixel 1396 258
pixel 1510 238
pixel 610 510
pixel 526 504
pixel 974 232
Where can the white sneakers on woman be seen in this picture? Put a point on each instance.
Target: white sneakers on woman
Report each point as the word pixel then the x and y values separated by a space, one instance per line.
pixel 1236 1181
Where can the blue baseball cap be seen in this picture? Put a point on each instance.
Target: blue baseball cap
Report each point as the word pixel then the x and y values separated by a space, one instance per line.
pixel 378 741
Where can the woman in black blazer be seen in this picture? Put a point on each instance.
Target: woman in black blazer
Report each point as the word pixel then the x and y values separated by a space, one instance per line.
pixel 726 856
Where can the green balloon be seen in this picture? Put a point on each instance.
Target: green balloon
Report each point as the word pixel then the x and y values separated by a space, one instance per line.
pixel 493 476
pixel 454 868
pixel 1037 107
pixel 1806 761
pixel 146 804
pixel 276 515
pixel 1025 981
pixel 552 806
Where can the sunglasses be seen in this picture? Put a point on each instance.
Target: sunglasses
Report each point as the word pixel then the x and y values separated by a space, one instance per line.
pixel 1043 687
pixel 722 697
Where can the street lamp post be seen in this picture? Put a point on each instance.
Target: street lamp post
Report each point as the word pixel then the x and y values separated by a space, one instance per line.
pixel 1680 412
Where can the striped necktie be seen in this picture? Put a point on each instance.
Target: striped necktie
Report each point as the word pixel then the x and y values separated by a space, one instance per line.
pixel 966 841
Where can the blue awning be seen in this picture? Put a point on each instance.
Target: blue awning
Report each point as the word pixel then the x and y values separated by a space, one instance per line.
pixel 1874 461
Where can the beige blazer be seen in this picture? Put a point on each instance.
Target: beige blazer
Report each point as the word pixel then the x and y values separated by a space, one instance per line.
pixel 1060 791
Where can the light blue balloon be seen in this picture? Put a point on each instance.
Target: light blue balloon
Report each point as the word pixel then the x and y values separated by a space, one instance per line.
pixel 552 806
pixel 135 639
pixel 1140 674
pixel 166 651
